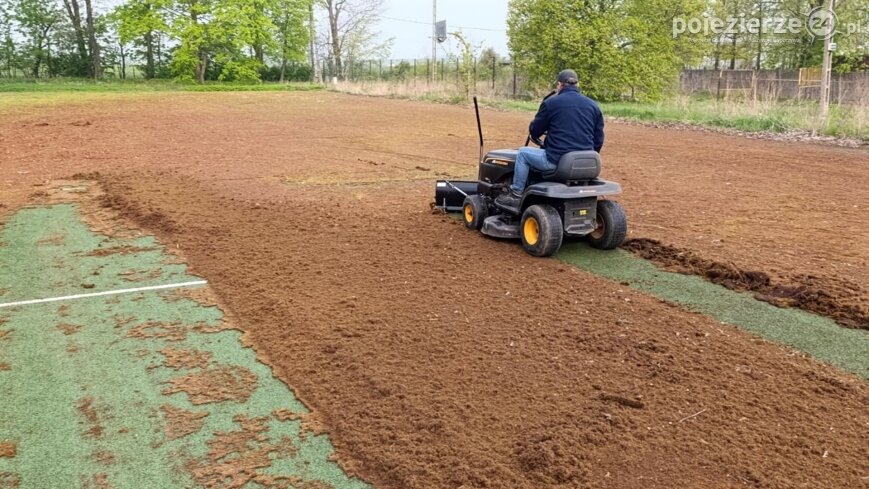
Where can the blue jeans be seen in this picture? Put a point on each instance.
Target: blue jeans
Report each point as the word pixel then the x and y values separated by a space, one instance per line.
pixel 530 158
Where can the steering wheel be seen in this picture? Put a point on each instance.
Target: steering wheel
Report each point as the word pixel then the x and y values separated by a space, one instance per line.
pixel 538 141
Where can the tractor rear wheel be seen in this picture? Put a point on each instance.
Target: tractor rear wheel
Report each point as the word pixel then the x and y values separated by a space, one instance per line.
pixel 542 230
pixel 474 212
pixel 612 226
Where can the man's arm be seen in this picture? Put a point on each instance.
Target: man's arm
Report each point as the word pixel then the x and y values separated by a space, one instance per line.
pixel 540 124
pixel 598 132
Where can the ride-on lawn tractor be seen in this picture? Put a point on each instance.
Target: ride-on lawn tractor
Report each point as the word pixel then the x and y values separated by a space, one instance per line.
pixel 566 202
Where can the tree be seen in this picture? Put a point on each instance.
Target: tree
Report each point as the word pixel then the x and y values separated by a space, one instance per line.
pixel 465 62
pixel 350 31
pixel 7 44
pixel 238 28
pixel 73 12
pixel 95 60
pixel 618 47
pixel 36 19
pixel 191 26
pixel 142 23
pixel 291 31
pixel 488 62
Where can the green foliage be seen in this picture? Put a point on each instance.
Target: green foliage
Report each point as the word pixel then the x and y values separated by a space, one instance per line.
pixel 8 55
pixel 290 31
pixel 70 85
pixel 466 64
pixel 619 48
pixel 36 19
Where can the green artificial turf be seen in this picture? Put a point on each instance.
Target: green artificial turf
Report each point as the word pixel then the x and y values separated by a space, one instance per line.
pixel 84 395
pixel 816 335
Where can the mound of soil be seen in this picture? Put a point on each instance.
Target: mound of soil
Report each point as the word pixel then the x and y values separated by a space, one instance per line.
pixel 806 296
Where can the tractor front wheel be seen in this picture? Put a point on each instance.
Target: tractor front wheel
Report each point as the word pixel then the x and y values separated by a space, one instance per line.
pixel 474 212
pixel 542 230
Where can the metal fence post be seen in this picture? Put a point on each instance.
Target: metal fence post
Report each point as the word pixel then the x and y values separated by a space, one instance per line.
pixel 514 80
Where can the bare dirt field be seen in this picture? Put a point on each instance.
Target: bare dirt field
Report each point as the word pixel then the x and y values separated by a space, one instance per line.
pixel 437 358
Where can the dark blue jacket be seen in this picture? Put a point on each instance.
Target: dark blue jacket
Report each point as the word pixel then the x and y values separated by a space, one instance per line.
pixel 572 121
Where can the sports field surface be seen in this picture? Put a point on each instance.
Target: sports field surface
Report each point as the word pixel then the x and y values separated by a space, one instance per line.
pixel 322 327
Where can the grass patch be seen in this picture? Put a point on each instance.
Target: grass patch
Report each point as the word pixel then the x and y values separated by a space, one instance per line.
pixel 265 87
pixel 748 115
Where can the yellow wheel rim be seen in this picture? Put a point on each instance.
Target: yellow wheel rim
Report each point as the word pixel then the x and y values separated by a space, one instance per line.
pixel 532 231
pixel 469 214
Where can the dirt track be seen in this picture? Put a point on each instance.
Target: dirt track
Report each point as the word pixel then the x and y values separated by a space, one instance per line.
pixel 437 358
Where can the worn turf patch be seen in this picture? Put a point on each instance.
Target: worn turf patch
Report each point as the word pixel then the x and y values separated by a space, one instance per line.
pixel 142 390
pixel 818 336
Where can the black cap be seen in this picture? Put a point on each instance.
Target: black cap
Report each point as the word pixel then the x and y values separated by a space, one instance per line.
pixel 568 77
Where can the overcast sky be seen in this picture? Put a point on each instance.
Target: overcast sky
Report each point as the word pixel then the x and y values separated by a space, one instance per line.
pixel 487 17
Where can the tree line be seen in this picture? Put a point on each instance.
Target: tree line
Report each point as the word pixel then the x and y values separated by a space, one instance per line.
pixel 637 48
pixel 188 40
pixel 619 47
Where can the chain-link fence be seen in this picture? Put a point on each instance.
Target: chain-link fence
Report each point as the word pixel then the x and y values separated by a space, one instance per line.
pixel 497 76
pixel 805 84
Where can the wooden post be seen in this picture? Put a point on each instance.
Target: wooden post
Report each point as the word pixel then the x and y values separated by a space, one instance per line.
pixel 494 70
pixel 720 77
pixel 754 85
pixel 514 80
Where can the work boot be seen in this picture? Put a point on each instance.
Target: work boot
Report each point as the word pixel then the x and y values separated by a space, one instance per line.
pixel 509 200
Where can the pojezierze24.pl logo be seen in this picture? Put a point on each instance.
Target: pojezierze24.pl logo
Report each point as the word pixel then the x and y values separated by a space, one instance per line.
pixel 820 23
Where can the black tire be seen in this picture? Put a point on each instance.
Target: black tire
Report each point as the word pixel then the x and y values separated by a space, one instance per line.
pixel 474 212
pixel 542 230
pixel 612 226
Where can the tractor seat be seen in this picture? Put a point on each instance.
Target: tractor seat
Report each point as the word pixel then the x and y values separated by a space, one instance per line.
pixel 575 166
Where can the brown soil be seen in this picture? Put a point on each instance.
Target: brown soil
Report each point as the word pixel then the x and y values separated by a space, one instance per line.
pixel 185 359
pixel 7 450
pixel 98 481
pixel 68 329
pixel 180 423
pixel 310 423
pixel 105 458
pixel 235 458
pixel 440 359
pixel 9 480
pixel 215 384
pixel 5 367
pixel 163 331
pixel 89 412
pixel 119 250
pixel 806 294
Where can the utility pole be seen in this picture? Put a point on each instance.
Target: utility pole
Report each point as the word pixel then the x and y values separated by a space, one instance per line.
pixel 827 70
pixel 759 36
pixel 434 37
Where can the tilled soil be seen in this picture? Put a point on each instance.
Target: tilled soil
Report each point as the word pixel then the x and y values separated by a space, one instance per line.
pixel 437 358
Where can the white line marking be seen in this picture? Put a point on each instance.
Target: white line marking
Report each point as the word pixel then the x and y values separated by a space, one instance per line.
pixel 103 294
